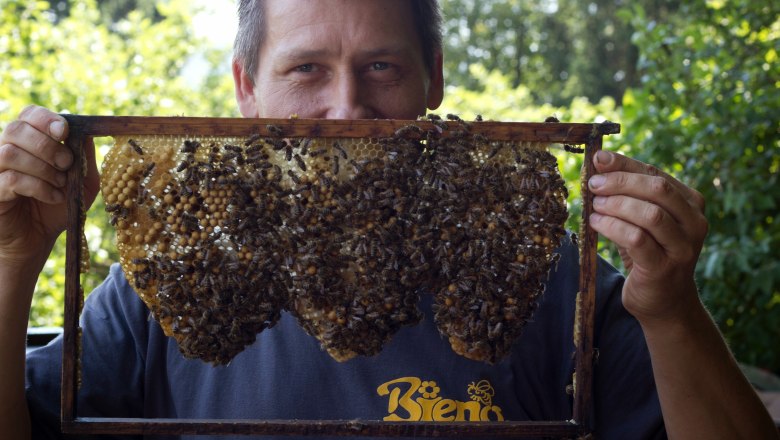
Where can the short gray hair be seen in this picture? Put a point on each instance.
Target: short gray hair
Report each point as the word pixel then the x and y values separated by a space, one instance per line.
pixel 251 31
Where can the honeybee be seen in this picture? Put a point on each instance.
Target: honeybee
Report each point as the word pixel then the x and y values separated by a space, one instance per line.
pixel 335 165
pixel 294 177
pixel 252 139
pixel 573 149
pixel 300 162
pixel 190 146
pixel 406 130
pixel 136 147
pixel 275 130
pixel 304 145
pixel 288 152
pixel 341 149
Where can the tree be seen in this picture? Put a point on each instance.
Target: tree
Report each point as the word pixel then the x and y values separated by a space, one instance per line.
pixel 112 11
pixel 559 49
pixel 707 110
pixel 78 65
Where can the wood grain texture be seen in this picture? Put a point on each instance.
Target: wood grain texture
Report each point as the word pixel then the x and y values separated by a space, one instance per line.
pixel 73 293
pixel 573 133
pixel 318 428
pixel 586 297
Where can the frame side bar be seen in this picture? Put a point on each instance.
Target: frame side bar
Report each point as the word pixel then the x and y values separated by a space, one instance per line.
pixel 586 298
pixel 73 250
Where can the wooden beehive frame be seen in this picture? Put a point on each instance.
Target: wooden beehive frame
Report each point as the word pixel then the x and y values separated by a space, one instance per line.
pixel 82 128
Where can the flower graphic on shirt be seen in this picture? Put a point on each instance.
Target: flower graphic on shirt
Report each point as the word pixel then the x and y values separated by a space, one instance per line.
pixel 428 389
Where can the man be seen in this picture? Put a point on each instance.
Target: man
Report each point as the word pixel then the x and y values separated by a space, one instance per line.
pixel 375 59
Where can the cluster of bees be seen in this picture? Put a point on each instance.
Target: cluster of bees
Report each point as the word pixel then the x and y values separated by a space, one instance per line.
pixel 219 235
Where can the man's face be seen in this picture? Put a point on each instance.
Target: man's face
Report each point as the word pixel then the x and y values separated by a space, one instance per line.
pixel 339 59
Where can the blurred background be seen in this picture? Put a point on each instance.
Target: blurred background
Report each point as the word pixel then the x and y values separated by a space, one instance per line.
pixel 694 84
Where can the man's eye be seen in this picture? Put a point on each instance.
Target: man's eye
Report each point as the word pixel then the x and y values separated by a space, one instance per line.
pixel 305 68
pixel 380 66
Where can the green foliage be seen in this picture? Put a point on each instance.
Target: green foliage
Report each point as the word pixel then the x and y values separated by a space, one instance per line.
pixel 112 11
pixel 707 110
pixel 558 49
pixel 79 65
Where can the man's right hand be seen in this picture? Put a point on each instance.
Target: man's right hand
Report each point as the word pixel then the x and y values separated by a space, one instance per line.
pixel 33 165
pixel 33 212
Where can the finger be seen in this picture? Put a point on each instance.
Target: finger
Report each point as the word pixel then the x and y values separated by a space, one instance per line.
pixel 606 162
pixel 655 189
pixel 14 184
pixel 651 218
pixel 640 246
pixel 14 158
pixel 39 131
pixel 45 121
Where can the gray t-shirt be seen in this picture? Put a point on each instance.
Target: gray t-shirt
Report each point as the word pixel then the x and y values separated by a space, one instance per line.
pixel 131 369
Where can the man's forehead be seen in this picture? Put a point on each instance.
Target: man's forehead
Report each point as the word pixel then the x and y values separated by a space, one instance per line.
pixel 284 15
pixel 320 27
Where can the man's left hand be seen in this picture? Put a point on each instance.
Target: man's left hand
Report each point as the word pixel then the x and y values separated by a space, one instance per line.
pixel 659 226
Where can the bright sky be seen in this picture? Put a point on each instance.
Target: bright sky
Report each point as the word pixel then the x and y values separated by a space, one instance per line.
pixel 217 21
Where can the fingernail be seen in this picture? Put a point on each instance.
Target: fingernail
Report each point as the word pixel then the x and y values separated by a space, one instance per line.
pixel 61 178
pixel 62 159
pixel 595 218
pixel 603 157
pixel 56 129
pixel 597 181
pixel 599 201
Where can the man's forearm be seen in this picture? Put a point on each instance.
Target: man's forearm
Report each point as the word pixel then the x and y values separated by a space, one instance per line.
pixel 702 391
pixel 15 296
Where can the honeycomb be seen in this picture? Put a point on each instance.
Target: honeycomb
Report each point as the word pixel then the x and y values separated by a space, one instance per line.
pixel 219 235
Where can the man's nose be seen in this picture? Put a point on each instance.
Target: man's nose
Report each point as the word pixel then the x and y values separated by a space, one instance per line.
pixel 348 99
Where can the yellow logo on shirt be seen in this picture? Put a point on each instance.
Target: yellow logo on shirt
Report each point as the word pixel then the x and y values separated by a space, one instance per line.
pixel 413 400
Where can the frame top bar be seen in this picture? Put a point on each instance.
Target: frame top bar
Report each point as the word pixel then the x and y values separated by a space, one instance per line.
pixel 573 133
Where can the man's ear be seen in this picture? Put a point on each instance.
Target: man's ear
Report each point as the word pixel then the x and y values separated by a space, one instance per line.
pixel 436 86
pixel 245 91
